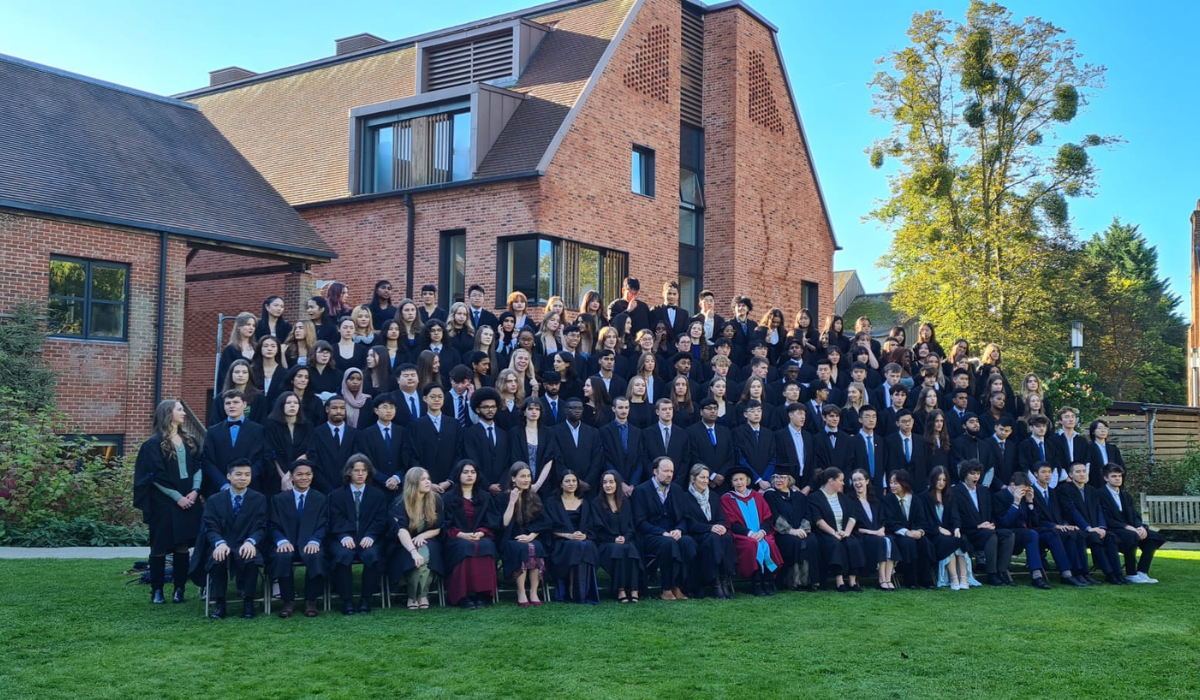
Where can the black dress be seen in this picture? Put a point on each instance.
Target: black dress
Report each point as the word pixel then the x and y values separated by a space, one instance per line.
pixel 570 555
pixel 875 548
pixel 641 415
pixel 283 447
pixel 623 562
pixel 943 545
pixel 514 554
pixel 838 557
pixel 792 507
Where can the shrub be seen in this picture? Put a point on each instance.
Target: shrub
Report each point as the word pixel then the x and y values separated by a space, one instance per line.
pixel 1167 477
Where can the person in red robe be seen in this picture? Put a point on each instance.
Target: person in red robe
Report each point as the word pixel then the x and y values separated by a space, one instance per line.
pixel 750 520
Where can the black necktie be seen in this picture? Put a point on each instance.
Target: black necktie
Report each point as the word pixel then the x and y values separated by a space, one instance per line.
pixel 491 436
pixel 337 435
pixel 237 505
pixel 300 508
pixel 387 437
pixel 464 418
pixel 357 506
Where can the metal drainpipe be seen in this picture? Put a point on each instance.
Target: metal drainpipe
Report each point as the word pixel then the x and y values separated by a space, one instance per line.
pixel 162 312
pixel 1150 433
pixel 412 244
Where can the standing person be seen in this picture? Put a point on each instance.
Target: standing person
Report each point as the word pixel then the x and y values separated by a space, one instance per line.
pixel 612 528
pixel 417 518
pixel 330 446
pixel 708 318
pixel 298 521
pixel 1100 454
pixel 358 524
pixel 299 343
pixel 411 328
pixel 870 453
pixel 754 446
pixel 325 378
pixel 670 312
pixel 436 440
pixel 470 546
pixel 621 446
pixel 346 351
pixel 233 439
pixel 577 445
pixel 794 449
pixel 268 369
pixel 234 523
pixel 378 374
pixel 1126 524
pixel 1070 446
pixel 271 321
pixel 751 522
pixel 485 444
pixel 381 307
pixel 241 344
pixel 833 521
pixel 629 304
pixel 906 451
pixel 460 331
pixel 337 296
pixel 240 378
pixel 364 326
pixel 592 306
pixel 480 316
pixel 710 443
pixel 387 445
pixel 166 489
pixel 299 383
pixel 287 432
pixel 358 412
pixel 574 555
pixel 523 519
pixel 532 442
pixel 323 321
pixel 517 306
pixel 596 408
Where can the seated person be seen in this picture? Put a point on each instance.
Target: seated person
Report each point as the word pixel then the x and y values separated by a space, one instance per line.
pixel 974 505
pixel 417 518
pixel 705 521
pixel 1014 511
pixel 1125 522
pixel 658 512
pixel 470 547
pixel 358 524
pixel 1062 539
pixel 523 520
pixel 299 518
pixel 841 555
pixel 613 529
pixel 235 521
pixel 750 521
pixel 573 556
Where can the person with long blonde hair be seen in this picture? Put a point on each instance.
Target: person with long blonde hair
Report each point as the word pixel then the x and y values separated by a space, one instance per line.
pixel 299 343
pixel 417 517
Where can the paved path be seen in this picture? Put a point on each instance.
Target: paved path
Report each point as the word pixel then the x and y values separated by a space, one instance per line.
pixel 130 553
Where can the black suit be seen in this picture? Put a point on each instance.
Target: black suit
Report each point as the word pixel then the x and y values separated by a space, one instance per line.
pixel 915 464
pixel 298 530
pixel 219 450
pixel 756 453
pixel 997 544
pixel 962 448
pixel 626 462
pixel 862 461
pixel 1123 517
pixel 678 450
pixel 1070 545
pixel 719 457
pixel 1002 461
pixel 674 330
pixel 492 455
pixel 436 450
pixel 404 415
pixel 1028 454
pixel 484 318
pixel 222 525
pixel 585 459
pixel 654 518
pixel 552 417
pixel 330 456
pixel 1081 508
pixel 804 465
pixel 616 384
pixel 1096 462
pixel 370 520
pixel 838 452
pixel 388 460
pixel 916 555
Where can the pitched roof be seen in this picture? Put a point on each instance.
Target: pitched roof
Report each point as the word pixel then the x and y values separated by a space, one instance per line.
pixel 82 148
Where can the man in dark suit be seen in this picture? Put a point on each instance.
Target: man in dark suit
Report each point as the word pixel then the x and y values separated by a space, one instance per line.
pixel 1126 523
pixel 905 450
pixel 485 443
pixel 298 520
pixel 578 446
pixel 637 310
pixel 1081 506
pixel 999 455
pixel 234 524
pixel 957 413
pixel 967 445
pixel 670 313
pixel 794 447
pixel 898 395
pixel 387 445
pixel 711 443
pixel 1069 446
pixel 551 400
pixel 621 444
pixel 712 321
pixel 436 439
pixel 743 327
pixel 330 445
pixel 974 506
pixel 1060 537
pixel 835 395
pixel 806 373
pixel 663 439
pixel 657 512
pixel 1037 448
pixel 233 439
pixel 358 527
pixel 1014 511
pixel 476 297
pixel 754 446
pixel 818 392
pixel 606 363
pixel 833 448
pixel 408 396
pixel 870 450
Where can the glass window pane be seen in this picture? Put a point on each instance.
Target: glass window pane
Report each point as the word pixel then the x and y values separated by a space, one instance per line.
pixel 457 274
pixel 461 157
pixel 523 267
pixel 382 159
pixel 687 292
pixel 689 188
pixel 545 270
pixel 691 148
pixel 108 283
pixel 65 316
pixel 638 177
pixel 107 321
pixel 687 227
pixel 67 278
pixel 589 271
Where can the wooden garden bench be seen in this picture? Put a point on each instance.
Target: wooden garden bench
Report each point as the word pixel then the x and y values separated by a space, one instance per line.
pixel 1171 512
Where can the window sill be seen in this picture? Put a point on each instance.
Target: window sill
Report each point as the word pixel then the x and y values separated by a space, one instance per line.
pixel 94 341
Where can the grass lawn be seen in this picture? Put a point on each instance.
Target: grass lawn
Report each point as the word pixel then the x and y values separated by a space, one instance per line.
pixel 71 629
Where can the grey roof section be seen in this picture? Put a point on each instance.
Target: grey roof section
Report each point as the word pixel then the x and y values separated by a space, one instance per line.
pixel 82 148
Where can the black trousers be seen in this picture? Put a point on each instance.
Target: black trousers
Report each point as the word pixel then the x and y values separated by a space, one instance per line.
pixel 246 573
pixel 1128 544
pixel 996 545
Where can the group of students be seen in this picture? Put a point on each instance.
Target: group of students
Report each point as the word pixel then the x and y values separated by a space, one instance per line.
pixel 446 473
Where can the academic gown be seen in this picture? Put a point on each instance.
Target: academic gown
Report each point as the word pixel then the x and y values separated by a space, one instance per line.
pixel 715 555
pixel 400 560
pixel 283 447
pixel 219 450
pixel 719 457
pixel 604 527
pixel 491 457
pixel 169 524
pixel 626 462
pixel 330 456
pixel 745 515
pixel 874 547
pixel 927 519
pixel 586 458
pixel 566 554
pixel 755 453
pixel 220 523
pixel 437 451
pixel 372 521
pixel 299 531
pixel 513 553
pixel 454 549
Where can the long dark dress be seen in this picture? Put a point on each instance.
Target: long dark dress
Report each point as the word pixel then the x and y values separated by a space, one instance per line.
pixel 943 545
pixel 516 554
pixel 570 556
pixel 789 510
pixel 401 560
pixel 838 557
pixel 472 565
pixel 623 562
pixel 875 548
pixel 170 525
pixel 283 447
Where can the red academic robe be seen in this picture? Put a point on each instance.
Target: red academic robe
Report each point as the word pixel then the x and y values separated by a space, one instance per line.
pixel 745 546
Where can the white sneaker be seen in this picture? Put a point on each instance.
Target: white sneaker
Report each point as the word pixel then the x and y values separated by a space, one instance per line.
pixel 1148 579
pixel 1139 577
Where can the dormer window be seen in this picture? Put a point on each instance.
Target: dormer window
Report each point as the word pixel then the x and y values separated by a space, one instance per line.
pixel 494 54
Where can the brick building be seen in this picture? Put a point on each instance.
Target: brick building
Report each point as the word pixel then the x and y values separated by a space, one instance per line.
pixel 107 195
pixel 551 150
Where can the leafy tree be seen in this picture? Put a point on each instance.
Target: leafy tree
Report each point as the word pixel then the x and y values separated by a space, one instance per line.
pixel 978 202
pixel 21 367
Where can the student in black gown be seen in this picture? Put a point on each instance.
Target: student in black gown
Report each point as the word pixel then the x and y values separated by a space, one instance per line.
pixel 324 324
pixel 939 518
pixel 267 371
pixel 641 411
pixel 381 307
pixel 232 530
pixel 298 521
pixel 417 517
pixel 469 552
pixel 878 545
pixel 524 523
pixel 324 378
pixel 833 521
pixel 167 490
pixel 232 439
pixel 436 439
pixel 612 529
pixel 287 434
pixel 240 347
pixel 716 557
pixel 358 531
pixel 271 321
pixel 377 376
pixel 905 520
pixel 596 407
pixel 573 555
pixel 238 377
pixel 1126 524
pixel 793 531
pixel 1101 453
pixel 299 382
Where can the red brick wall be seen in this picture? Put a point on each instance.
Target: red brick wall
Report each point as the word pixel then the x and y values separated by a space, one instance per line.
pixel 104 387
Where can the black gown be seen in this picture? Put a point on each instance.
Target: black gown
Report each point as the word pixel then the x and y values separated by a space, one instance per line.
pixel 569 555
pixel 169 524
pixel 401 561
pixel 793 508
pixel 874 547
pixel 604 528
pixel 282 448
pixel 512 553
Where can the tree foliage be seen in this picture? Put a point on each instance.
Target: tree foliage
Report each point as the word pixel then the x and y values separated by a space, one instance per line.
pixel 979 200
pixel 22 370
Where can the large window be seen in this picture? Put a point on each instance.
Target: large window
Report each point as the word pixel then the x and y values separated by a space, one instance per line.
pixel 415 149
pixel 542 267
pixel 453 273
pixel 88 299
pixel 643 171
pixel 691 214
pixel 810 299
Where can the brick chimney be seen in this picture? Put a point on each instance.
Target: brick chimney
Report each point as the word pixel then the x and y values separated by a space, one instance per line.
pixel 228 75
pixel 358 42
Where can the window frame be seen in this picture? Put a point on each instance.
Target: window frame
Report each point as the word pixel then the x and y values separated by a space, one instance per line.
pixel 445 263
pixel 87 300
pixel 370 126
pixel 503 264
pixel 648 174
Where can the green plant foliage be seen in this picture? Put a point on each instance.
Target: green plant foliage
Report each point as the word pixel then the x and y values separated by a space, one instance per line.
pixel 1067 386
pixel 1066 103
pixel 877 157
pixel 1166 477
pixel 22 370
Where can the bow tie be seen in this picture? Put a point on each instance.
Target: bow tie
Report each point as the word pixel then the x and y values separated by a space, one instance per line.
pixel 238 423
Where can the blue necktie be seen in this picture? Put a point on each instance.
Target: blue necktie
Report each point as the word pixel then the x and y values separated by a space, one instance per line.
pixel 476 320
pixel 554 408
pixel 712 435
pixel 235 427
pixel 871 454
pixel 1042 450
pixel 300 508
pixel 387 438
pixel 907 450
pixel 412 406
pixel 755 437
pixel 623 428
pixel 237 506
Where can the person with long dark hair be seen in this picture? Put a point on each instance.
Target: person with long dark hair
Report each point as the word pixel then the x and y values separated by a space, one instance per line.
pixel 358 528
pixel 411 327
pixel 939 515
pixel 879 550
pixel 336 296
pixel 166 489
pixel 299 382
pixel 287 432
pixel 573 556
pixel 268 366
pixel 381 307
pixel 523 519
pixel 378 379
pixel 325 379
pixel 613 531
pixel 833 521
pixel 271 321
pixel 470 547
pixel 239 377
pixel 324 322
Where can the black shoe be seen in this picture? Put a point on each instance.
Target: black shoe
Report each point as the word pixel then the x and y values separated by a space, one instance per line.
pixel 177 596
pixel 1008 579
pixel 156 597
pixel 769 587
pixel 856 588
pixel 1087 578
pixel 218 612
pixel 1074 581
pixel 348 609
pixel 364 607
pixel 929 586
pixel 758 590
pixel 843 588
pixel 483 601
pixel 995 580
pixel 1040 583
pixel 248 610
pixel 467 604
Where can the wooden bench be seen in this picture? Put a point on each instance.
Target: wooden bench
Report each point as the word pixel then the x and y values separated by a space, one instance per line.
pixel 1171 512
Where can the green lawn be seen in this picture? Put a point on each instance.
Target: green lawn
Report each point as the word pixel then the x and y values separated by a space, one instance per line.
pixel 71 629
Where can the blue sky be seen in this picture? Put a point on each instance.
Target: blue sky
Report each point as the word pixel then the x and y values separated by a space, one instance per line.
pixel 830 48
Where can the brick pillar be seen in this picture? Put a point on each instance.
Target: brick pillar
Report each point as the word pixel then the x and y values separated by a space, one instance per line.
pixel 297 288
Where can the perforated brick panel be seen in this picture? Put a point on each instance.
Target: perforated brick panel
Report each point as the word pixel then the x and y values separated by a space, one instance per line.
pixel 763 109
pixel 650 70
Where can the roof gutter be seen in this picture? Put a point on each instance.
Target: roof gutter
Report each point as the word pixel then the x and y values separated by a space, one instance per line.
pixel 355 199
